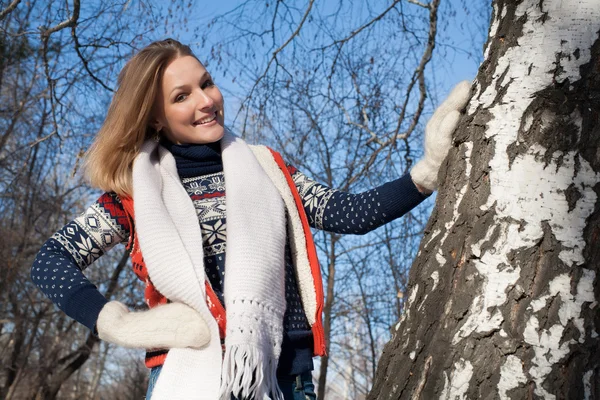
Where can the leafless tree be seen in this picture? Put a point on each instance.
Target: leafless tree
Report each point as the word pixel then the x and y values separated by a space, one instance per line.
pixel 58 64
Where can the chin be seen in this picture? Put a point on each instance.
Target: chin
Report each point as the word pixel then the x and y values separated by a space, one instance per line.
pixel 197 136
pixel 214 135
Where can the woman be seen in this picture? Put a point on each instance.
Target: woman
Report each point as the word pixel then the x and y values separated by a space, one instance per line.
pixel 167 163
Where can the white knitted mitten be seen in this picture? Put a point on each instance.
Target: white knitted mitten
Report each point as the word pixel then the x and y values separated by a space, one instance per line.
pixel 163 327
pixel 438 136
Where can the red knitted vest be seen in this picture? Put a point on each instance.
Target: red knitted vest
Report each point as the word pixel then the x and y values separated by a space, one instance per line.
pixel 153 297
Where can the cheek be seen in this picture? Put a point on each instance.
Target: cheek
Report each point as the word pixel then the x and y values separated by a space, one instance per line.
pixel 179 113
pixel 218 97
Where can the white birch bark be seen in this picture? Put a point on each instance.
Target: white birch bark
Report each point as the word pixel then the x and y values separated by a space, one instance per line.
pixel 504 292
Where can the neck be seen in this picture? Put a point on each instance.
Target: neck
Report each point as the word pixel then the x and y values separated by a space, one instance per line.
pixel 195 159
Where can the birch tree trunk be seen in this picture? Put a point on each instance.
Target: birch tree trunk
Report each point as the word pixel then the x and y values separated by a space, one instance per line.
pixel 503 299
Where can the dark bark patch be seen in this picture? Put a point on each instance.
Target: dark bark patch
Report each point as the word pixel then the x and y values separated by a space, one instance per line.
pixel 576 165
pixel 591 235
pixel 502 89
pixel 510 29
pixel 472 126
pixel 548 316
pixel 544 17
pixel 483 384
pixel 539 265
pixel 518 295
pixel 572 195
pixel 481 155
pixel 517 393
pixel 566 379
pixel 591 255
pixel 558 69
pixel 589 86
pixel 550 119
pixel 480 231
pixel 570 333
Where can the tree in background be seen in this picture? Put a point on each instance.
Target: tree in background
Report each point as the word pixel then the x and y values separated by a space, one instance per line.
pixel 58 62
pixel 503 299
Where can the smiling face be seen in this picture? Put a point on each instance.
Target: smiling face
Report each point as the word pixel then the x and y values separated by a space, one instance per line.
pixel 189 106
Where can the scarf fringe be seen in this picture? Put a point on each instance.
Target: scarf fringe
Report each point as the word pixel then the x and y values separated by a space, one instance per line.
pixel 249 374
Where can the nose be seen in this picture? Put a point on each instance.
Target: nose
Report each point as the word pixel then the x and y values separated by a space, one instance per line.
pixel 204 101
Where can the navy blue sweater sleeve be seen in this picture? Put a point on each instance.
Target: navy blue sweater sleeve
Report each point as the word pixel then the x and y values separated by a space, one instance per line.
pixel 340 212
pixel 58 267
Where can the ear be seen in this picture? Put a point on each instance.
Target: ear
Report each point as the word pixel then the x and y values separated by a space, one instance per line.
pixel 156 125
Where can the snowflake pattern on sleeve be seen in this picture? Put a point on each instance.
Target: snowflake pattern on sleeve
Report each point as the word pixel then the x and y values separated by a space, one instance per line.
pixel 340 212
pixel 314 198
pixel 95 231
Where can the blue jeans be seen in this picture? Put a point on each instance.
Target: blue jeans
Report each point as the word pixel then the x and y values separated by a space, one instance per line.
pixel 299 387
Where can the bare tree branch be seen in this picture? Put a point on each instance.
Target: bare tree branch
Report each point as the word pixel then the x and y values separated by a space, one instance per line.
pixel 45 35
pixel 418 3
pixel 341 42
pixel 66 23
pixel 417 77
pixel 9 9
pixel 274 56
pixel 84 61
pixel 358 30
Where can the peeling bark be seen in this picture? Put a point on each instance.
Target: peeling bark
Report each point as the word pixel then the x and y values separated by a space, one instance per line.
pixel 504 291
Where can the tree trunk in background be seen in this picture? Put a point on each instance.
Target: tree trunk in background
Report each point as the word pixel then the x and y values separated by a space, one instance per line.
pixel 327 311
pixel 503 299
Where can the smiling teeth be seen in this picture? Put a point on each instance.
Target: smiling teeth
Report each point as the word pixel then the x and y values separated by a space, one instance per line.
pixel 206 120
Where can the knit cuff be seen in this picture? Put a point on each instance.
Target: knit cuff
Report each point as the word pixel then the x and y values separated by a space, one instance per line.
pixel 84 306
pixel 399 197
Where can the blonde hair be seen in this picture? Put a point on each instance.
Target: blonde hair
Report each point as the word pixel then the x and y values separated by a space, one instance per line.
pixel 109 161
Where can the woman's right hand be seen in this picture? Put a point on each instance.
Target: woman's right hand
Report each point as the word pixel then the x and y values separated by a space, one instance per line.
pixel 163 327
pixel 438 137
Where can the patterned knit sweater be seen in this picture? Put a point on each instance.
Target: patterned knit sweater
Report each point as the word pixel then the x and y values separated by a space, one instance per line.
pixel 57 269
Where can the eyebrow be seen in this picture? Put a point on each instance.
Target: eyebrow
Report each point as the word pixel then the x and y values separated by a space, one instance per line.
pixel 204 75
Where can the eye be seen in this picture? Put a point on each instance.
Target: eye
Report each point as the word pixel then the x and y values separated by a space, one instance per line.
pixel 180 97
pixel 207 83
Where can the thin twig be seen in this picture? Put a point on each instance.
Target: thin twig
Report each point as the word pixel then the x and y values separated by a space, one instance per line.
pixel 361 28
pixel 365 125
pixel 341 42
pixel 42 139
pixel 418 3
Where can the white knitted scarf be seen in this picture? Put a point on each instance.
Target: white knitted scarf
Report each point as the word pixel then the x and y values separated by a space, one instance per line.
pixel 254 288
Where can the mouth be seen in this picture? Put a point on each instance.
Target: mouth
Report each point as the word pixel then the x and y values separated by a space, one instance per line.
pixel 205 120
